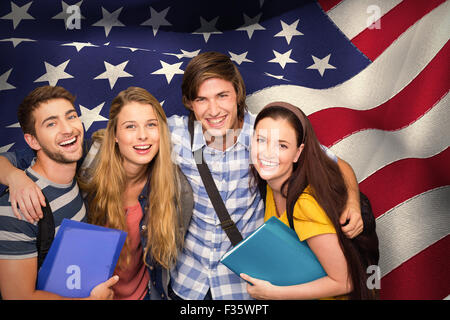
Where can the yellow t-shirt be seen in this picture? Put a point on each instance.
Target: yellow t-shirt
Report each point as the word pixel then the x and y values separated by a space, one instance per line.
pixel 309 219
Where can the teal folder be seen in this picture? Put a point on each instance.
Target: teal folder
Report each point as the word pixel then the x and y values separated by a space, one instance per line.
pixel 274 253
pixel 81 257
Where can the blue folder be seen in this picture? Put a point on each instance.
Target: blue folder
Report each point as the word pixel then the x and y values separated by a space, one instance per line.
pixel 81 257
pixel 274 253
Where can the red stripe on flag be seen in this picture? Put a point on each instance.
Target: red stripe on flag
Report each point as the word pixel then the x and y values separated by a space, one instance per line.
pixel 328 4
pixel 372 42
pixel 333 124
pixel 404 179
pixel 425 276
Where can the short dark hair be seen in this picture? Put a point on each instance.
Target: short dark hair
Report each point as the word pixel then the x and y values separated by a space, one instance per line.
pixel 34 99
pixel 208 65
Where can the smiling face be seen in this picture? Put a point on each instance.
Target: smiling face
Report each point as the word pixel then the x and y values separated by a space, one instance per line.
pixel 58 131
pixel 137 135
pixel 274 150
pixel 216 107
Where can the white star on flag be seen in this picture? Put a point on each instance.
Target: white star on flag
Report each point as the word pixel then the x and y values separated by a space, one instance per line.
pixel 251 25
pixel 239 58
pixel 18 14
pixel 281 77
pixel 282 58
pixel 109 20
pixel 16 41
pixel 183 54
pixel 157 19
pixel 289 31
pixel 6 148
pixel 4 85
pixel 54 74
pixel 169 70
pixel 113 73
pixel 321 64
pixel 131 48
pixel 14 125
pixel 207 28
pixel 63 15
pixel 79 45
pixel 89 116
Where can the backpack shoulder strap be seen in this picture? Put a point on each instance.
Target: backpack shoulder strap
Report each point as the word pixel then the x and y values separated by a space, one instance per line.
pixel 226 222
pixel 46 233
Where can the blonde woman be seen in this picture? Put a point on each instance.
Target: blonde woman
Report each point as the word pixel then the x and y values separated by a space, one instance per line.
pixel 134 186
pixel 130 183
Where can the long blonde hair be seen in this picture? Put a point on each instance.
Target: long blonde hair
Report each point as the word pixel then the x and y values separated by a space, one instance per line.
pixel 108 182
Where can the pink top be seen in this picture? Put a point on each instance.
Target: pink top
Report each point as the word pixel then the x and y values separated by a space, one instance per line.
pixel 134 280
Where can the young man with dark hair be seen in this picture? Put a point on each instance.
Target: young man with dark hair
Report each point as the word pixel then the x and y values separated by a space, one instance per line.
pixel 214 92
pixel 53 129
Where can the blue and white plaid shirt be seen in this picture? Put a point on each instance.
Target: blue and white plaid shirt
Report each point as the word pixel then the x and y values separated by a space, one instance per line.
pixel 198 268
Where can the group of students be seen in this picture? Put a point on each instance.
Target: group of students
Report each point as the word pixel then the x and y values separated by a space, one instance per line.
pixel 140 175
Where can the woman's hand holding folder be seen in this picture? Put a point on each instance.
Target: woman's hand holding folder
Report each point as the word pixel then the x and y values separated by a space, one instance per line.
pixel 259 289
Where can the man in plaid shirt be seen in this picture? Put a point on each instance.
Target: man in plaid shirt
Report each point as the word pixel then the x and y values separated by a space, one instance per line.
pixel 213 90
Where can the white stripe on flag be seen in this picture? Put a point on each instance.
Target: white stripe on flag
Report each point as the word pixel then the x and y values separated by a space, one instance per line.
pixel 412 226
pixel 372 149
pixel 352 16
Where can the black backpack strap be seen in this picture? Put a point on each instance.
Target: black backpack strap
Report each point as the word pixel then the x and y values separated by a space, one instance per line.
pixel 46 233
pixel 226 222
pixel 262 187
pixel 367 241
pixel 5 190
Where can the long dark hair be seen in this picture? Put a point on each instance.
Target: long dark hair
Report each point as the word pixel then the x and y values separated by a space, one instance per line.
pixel 327 185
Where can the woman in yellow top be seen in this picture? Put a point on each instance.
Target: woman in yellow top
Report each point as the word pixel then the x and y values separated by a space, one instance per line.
pixel 305 190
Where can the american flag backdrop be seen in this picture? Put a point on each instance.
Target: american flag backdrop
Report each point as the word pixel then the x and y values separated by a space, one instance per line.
pixel 373 76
